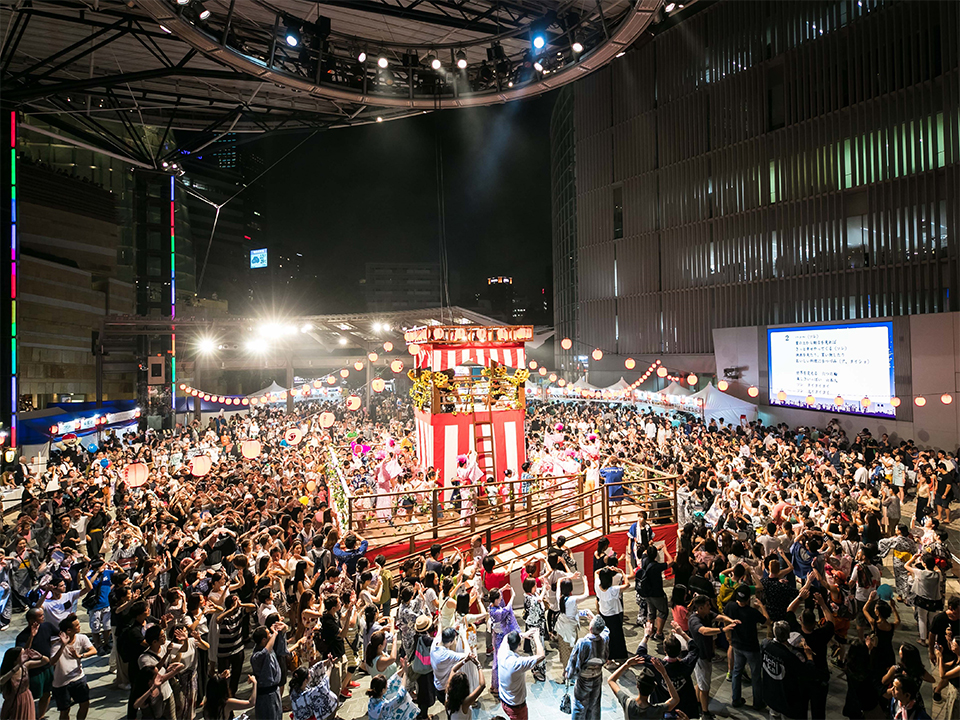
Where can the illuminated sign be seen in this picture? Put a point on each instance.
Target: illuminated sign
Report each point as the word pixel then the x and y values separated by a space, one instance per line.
pixel 258 258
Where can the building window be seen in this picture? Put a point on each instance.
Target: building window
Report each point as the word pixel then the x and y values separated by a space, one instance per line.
pixel 618 212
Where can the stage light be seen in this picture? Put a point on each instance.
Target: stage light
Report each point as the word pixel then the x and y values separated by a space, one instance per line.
pixel 205 346
pixel 377 327
pixel 382 62
pixel 379 119
pixel 254 346
pixel 538 67
pixel 362 57
pixel 307 327
pixel 292 36
pixel 510 83
pixel 167 30
pixel 577 47
pixel 434 62
pixel 723 385
pixel 183 2
pixel 620 54
pixel 670 7
pixel 462 60
pixel 343 341
pixel 539 41
pixel 386 327
pixel 204 13
pixel 753 391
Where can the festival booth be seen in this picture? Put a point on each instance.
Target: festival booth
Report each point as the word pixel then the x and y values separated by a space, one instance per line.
pixel 717 405
pixel 675 388
pixel 467 399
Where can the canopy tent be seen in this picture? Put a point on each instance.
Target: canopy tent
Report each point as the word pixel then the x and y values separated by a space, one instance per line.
pixel 718 405
pixel 272 389
pixel 675 389
pixel 582 384
pixel 619 385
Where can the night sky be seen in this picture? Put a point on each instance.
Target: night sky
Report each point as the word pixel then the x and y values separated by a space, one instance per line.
pixel 369 193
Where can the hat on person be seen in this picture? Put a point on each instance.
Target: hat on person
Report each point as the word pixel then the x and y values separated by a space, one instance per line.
pixel 423 623
pixel 885 592
pixel 742 593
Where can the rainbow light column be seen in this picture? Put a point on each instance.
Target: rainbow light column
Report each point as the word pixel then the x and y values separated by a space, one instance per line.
pixel 173 296
pixel 14 389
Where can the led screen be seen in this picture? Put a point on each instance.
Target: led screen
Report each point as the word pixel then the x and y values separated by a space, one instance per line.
pixel 258 258
pixel 852 363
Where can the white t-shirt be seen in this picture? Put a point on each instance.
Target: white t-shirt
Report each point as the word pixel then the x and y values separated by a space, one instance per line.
pixel 57 610
pixel 609 599
pixel 68 668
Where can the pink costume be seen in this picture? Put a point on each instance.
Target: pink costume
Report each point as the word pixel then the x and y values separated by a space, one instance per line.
pixel 388 470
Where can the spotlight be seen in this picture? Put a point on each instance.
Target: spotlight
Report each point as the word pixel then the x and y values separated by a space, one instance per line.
pixel 510 83
pixel 377 327
pixel 434 62
pixel 670 7
pixel 167 30
pixel 379 119
pixel 362 57
pixel 205 346
pixel 462 60
pixel 254 346
pixel 382 61
pixel 292 36
pixel 307 327
pixel 343 341
pixel 577 47
pixel 538 67
pixel 183 2
pixel 539 40
pixel 204 13
pixel 620 54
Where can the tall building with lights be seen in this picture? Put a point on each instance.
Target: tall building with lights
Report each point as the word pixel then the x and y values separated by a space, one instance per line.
pixel 753 164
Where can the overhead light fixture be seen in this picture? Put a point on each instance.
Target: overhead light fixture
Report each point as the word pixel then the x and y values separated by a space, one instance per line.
pixel 204 13
pixel 670 7
pixel 382 61
pixel 206 345
pixel 577 47
pixel 434 62
pixel 167 30
pixel 620 54
pixel 343 341
pixel 362 57
pixel 539 41
pixel 379 119
pixel 537 66
pixel 462 60
pixel 183 2
pixel 255 346
pixel 292 35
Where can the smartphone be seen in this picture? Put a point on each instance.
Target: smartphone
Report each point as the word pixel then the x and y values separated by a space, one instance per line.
pixel 57 556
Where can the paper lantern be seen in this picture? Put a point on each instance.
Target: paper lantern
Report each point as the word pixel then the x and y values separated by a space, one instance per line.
pixel 561 382
pixel 206 397
pixel 597 354
pixel 413 349
pixel 327 419
pixel 753 391
pixel 358 365
pixel 920 401
pixel 183 386
pixel 250 449
pixel 372 357
pixel 838 401
pixel 377 385
pixel 692 379
pixel 200 465
pixel 895 401
pixel 438 333
pixel 533 364
pixel 293 436
pixel 811 399
pixel 566 343
pixel 244 401
pixel 353 402
pixel 629 363
pixel 865 402
pixel 723 385
pixel 946 398
pixel 781 396
pixel 311 486
pixel 661 372
pixel 344 373
pixel 542 371
pixel 254 401
pixel 331 380
pixel 135 474
pixel 553 377
pixel 388 346
pixel 397 366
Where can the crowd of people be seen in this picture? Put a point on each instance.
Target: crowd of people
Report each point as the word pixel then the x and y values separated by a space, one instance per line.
pixel 194 576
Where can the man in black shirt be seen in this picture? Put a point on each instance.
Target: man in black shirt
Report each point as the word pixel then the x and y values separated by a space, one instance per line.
pixel 786 673
pixel 950 618
pixel 746 646
pixel 818 637
pixel 649 585
pixel 679 670
pixel 37 635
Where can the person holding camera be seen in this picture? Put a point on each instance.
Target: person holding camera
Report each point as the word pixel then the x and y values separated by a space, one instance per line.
pixel 639 707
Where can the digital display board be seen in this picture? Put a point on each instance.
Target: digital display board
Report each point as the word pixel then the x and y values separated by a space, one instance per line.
pixel 258 258
pixel 852 362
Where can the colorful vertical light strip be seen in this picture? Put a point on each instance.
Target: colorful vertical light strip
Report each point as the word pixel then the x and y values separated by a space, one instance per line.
pixel 14 389
pixel 173 295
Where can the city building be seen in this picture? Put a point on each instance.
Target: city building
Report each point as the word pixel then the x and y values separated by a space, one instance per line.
pixel 402 286
pixel 753 164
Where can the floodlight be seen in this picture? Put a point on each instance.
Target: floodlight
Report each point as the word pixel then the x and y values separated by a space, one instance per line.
pixel 204 13
pixel 206 346
pixel 377 327
pixel 382 61
pixel 362 57
pixel 537 66
pixel 434 62
pixel 343 341
pixel 577 47
pixel 462 60
pixel 292 35
pixel 539 40
pixel 255 346
pixel 670 7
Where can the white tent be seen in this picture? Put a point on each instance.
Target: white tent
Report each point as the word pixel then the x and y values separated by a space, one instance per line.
pixel 271 390
pixel 582 383
pixel 620 384
pixel 674 389
pixel 718 405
